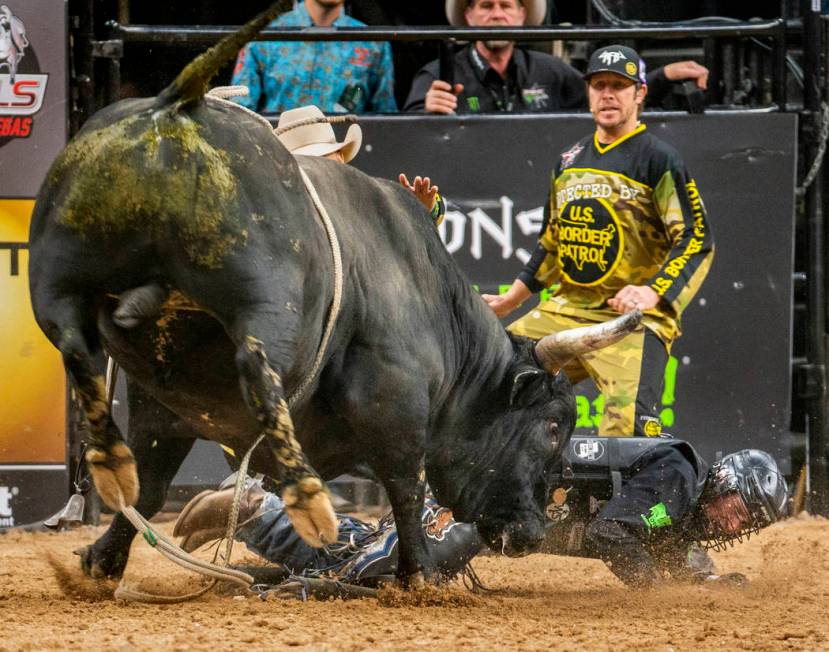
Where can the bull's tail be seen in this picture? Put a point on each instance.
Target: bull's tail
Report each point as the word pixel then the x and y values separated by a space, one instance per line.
pixel 139 304
pixel 192 82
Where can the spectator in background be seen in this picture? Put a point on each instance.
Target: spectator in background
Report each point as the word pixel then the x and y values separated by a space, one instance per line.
pixel 338 77
pixel 493 76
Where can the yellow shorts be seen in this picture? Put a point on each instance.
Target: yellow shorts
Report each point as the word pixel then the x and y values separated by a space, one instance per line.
pixel 629 374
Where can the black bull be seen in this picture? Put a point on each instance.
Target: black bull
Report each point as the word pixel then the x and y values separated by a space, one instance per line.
pixel 419 380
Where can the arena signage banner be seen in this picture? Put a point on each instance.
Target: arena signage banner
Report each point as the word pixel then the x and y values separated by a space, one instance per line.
pixel 727 383
pixel 33 129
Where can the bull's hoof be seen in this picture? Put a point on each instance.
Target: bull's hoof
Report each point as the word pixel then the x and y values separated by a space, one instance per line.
pixel 310 511
pixel 413 582
pixel 113 471
pixel 99 566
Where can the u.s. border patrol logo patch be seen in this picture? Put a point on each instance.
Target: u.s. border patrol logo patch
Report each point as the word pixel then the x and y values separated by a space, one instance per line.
pixel 590 240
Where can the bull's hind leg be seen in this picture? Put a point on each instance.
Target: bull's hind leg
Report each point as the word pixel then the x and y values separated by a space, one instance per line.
pixel 108 457
pixel 160 441
pixel 305 496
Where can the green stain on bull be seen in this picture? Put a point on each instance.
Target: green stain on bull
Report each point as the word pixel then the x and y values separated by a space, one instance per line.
pixel 154 174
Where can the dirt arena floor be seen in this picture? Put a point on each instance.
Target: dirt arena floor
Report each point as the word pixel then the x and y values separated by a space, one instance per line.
pixel 541 603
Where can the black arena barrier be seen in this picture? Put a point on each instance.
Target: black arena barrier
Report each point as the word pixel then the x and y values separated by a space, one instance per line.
pixel 728 380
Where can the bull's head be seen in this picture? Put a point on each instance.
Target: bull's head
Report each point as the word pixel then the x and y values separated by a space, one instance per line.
pixel 507 489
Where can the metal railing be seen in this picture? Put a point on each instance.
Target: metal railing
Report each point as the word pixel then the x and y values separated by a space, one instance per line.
pixel 728 58
pixel 170 34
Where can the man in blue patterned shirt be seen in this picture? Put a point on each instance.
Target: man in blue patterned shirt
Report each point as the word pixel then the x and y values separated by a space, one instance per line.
pixel 339 77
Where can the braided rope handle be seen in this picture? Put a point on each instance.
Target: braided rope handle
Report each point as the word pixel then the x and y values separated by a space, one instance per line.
pixel 223 92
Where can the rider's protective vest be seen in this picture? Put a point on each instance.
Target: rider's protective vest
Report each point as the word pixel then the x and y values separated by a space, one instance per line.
pixel 591 473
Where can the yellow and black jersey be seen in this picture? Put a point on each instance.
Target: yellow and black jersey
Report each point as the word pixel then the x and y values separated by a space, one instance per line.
pixel 627 213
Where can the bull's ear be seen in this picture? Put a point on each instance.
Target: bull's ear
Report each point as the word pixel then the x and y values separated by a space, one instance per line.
pixel 522 380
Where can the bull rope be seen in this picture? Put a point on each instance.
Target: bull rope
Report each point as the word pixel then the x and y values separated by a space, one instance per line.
pixel 159 541
pixel 222 93
pixel 334 119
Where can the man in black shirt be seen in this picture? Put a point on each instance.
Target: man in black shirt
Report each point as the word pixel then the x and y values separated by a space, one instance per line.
pixel 496 76
pixel 624 229
pixel 644 506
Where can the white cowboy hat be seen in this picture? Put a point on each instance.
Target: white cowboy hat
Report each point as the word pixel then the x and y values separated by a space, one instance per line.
pixel 536 9
pixel 317 139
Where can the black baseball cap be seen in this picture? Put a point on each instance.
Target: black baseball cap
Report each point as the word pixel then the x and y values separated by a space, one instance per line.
pixel 618 59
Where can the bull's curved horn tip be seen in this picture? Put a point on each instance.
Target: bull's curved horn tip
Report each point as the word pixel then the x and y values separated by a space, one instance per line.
pixel 634 317
pixel 626 323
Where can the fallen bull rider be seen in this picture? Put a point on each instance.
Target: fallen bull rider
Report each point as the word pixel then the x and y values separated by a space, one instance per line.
pixel 648 507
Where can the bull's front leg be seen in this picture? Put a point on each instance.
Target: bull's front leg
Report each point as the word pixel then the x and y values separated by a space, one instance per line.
pixel 405 486
pixel 386 404
pixel 304 494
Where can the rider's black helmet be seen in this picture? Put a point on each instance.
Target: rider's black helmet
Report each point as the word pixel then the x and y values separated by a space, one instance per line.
pixel 753 475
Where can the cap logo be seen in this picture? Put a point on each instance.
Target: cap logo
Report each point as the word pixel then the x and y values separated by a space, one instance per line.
pixel 630 68
pixel 609 57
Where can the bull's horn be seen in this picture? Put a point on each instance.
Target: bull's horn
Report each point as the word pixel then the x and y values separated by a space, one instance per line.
pixel 557 349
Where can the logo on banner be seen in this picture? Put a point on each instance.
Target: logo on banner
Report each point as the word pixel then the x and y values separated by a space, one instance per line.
pixel 6 513
pixel 588 450
pixel 22 88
